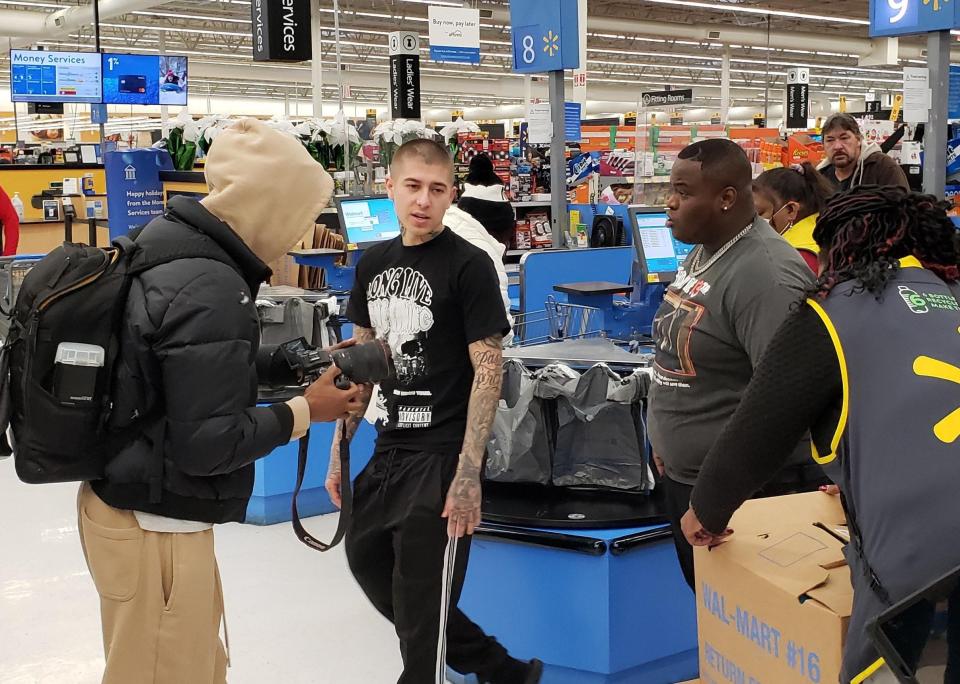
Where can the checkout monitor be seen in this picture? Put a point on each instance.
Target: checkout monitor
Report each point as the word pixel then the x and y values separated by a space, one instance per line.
pixel 367 220
pixel 659 253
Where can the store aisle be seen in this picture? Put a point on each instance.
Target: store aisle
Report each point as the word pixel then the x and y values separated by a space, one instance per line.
pixel 295 615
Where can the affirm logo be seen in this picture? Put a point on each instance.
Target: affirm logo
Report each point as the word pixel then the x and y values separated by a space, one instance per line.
pixel 916 303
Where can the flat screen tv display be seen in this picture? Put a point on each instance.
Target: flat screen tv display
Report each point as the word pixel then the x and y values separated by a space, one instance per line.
pixel 144 79
pixel 48 76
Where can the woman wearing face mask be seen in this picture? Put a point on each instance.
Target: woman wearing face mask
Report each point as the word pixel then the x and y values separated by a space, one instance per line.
pixel 791 199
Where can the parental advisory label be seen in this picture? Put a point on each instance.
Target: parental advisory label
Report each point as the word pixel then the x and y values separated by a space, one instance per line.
pixel 414 416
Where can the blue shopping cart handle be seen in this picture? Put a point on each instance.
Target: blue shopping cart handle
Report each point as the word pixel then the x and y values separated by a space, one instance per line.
pixel 28 257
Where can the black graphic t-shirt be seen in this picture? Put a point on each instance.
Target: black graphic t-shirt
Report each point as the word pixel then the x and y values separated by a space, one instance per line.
pixel 429 302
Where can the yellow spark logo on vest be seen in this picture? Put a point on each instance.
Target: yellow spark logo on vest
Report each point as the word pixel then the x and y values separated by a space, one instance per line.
pixel 948 429
pixel 552 43
pixel 937 4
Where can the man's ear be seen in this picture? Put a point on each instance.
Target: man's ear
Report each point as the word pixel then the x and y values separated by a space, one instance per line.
pixel 729 196
pixel 390 187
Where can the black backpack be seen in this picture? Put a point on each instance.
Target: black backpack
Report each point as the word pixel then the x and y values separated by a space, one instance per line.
pixel 74 296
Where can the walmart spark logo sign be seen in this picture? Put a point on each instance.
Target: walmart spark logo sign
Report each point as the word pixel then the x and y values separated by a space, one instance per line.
pixel 904 17
pixel 552 43
pixel 948 429
pixel 545 35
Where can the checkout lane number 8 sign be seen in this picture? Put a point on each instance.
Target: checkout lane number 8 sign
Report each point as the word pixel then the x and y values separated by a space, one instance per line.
pixel 529 54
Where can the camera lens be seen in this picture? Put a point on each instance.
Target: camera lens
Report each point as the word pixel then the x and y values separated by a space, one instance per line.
pixel 370 362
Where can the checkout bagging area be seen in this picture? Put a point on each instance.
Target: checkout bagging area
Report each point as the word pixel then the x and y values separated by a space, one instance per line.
pixel 574 562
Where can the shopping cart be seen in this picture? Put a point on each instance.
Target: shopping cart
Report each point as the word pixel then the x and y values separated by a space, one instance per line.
pixel 557 321
pixel 12 272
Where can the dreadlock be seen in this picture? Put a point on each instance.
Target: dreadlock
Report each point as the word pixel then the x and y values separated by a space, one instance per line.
pixel 864 232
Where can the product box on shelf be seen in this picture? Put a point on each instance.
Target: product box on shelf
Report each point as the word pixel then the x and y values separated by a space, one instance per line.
pixel 522 237
pixel 617 163
pixel 541 234
pixel 774 601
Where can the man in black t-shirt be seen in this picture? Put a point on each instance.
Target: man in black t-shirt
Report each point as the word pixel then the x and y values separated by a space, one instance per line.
pixel 435 299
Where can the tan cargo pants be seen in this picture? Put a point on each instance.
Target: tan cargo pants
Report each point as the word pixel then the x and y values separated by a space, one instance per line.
pixel 161 602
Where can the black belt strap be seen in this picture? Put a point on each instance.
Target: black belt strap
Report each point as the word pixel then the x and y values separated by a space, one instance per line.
pixel 346 496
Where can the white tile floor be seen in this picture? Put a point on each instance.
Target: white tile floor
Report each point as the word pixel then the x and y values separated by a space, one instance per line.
pixel 295 615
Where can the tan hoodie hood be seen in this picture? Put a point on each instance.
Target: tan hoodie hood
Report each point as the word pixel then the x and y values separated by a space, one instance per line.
pixel 266 187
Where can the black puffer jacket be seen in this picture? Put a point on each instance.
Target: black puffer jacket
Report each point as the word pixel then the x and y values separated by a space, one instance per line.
pixel 187 376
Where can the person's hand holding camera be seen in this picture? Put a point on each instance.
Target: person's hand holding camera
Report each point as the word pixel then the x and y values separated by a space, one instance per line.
pixel 328 402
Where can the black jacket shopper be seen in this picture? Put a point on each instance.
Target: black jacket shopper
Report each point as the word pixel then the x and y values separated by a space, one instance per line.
pixel 187 377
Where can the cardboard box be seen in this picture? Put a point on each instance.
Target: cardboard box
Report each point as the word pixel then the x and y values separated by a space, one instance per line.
pixel 773 603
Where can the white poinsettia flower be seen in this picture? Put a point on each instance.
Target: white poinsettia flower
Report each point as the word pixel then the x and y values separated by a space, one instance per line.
pixel 191 132
pixel 451 130
pixel 304 128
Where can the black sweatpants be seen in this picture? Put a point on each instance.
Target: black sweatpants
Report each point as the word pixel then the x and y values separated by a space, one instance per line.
pixel 395 547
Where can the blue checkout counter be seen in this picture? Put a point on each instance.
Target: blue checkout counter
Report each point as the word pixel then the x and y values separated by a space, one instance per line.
pixel 596 605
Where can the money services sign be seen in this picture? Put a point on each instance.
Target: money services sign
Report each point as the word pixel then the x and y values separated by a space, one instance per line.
pixel 454 34
pixel 134 188
pixel 280 30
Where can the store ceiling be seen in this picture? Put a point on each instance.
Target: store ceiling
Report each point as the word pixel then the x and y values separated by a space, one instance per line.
pixel 648 50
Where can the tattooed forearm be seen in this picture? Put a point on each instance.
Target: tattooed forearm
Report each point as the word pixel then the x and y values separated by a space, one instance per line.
pixel 465 496
pixel 486 356
pixel 352 423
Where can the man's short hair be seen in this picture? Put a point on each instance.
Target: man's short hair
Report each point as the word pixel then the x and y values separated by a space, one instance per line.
pixel 722 161
pixel 428 151
pixel 841 122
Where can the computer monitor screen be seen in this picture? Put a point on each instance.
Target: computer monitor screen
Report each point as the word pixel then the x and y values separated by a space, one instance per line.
pixel 48 76
pixel 366 220
pixel 659 252
pixel 917 636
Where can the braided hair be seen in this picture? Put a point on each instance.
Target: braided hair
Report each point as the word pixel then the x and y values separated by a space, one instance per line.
pixel 864 232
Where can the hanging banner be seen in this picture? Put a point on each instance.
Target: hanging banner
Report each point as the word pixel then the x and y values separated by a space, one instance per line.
pixel 571 121
pixel 134 189
pixel 580 73
pixel 404 48
pixel 454 34
pixel 281 30
pixel 663 98
pixel 798 98
pixel 953 99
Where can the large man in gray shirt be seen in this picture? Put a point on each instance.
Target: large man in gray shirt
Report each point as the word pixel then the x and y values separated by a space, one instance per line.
pixel 728 299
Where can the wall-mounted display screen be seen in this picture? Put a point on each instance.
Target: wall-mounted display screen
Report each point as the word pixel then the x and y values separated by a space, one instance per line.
pixel 47 76
pixel 144 79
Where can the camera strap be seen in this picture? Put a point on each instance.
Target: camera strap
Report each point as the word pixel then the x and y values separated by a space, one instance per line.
pixel 346 496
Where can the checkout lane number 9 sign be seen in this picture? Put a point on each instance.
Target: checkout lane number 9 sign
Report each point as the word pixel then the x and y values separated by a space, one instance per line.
pixel 904 17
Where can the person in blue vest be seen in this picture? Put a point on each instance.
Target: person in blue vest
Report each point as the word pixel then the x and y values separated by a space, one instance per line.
pixel 870 364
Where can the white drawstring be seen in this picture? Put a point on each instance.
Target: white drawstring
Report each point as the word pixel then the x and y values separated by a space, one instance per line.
pixel 449 563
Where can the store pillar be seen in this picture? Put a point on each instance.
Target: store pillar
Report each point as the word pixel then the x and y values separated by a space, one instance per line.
pixel 935 137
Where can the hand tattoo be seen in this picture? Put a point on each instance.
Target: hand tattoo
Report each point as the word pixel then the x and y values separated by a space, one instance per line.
pixel 350 425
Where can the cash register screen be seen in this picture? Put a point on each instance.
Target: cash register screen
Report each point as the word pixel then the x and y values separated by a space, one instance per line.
pixel 367 220
pixel 658 251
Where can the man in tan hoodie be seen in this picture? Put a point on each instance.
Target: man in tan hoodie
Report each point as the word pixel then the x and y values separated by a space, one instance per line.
pixel 185 425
